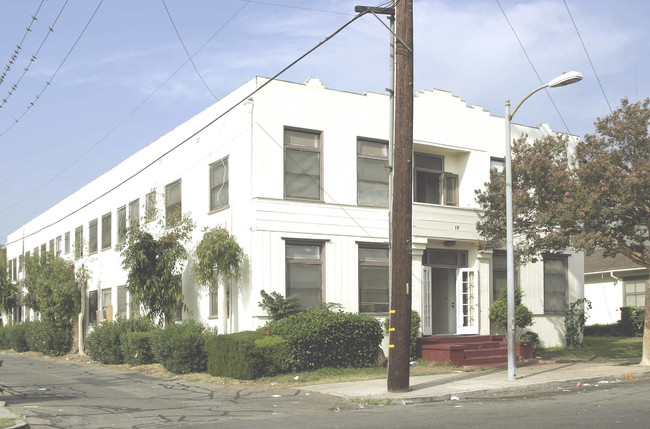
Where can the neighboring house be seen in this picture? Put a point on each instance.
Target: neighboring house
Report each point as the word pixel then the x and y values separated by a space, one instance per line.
pixel 611 283
pixel 298 173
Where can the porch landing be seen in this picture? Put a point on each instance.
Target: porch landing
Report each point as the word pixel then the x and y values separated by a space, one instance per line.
pixel 470 350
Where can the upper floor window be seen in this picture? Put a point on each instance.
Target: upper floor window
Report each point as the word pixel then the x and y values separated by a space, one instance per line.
pixel 498 165
pixel 373 279
pixel 67 242
pixel 556 283
pixel 304 272
pixel 52 247
pixel 302 164
pixel 92 236
pixel 107 221
pixel 173 208
pixel 372 173
pixel 121 225
pixel 57 246
pixel 134 212
pixel 219 184
pixel 150 207
pixel 78 242
pixel 432 184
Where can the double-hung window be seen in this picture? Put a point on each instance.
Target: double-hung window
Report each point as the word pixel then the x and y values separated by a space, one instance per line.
pixel 121 225
pixel 304 271
pixel 107 230
pixel 372 173
pixel 373 278
pixel 634 291
pixel 500 273
pixel 432 184
pixel 134 212
pixel 302 164
pixel 58 246
pixel 149 207
pixel 556 283
pixel 219 184
pixel 92 236
pixel 173 207
pixel 78 242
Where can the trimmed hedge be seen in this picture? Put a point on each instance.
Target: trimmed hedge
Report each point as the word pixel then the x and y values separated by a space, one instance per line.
pixel 632 321
pixel 180 348
pixel 136 348
pixel 247 355
pixel 321 338
pixel 44 337
pixel 103 342
pixel 602 330
pixel 16 337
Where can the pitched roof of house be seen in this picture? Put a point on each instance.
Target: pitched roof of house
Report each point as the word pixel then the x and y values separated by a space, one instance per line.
pixel 596 263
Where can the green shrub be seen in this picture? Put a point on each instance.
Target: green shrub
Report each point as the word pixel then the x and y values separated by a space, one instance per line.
pixel 4 342
pixel 534 337
pixel 415 332
pixel 574 321
pixel 276 352
pixel 600 330
pixel 632 321
pixel 16 337
pixel 321 338
pixel 279 307
pixel 180 348
pixel 499 313
pixel 44 337
pixel 103 342
pixel 136 348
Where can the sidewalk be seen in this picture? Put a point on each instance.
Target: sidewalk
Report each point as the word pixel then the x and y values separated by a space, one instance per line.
pixel 464 385
pixel 5 413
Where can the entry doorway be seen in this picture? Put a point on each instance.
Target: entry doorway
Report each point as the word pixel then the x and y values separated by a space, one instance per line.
pixel 449 294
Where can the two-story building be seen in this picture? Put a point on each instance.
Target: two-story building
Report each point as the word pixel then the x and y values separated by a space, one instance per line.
pixel 298 173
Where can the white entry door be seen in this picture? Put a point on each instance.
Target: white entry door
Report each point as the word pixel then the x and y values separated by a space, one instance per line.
pixel 427 320
pixel 466 302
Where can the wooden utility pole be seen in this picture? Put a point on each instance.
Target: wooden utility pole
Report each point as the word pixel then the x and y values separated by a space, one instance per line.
pixel 401 203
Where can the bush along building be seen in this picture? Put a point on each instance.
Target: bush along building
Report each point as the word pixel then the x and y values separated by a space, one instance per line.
pixel 297 173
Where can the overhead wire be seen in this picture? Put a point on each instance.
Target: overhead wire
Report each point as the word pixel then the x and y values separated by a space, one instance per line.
pixel 533 66
pixel 189 57
pixel 588 56
pixel 14 56
pixel 295 7
pixel 194 134
pixel 33 57
pixel 49 82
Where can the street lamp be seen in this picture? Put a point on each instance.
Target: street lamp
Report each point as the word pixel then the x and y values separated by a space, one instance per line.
pixel 562 80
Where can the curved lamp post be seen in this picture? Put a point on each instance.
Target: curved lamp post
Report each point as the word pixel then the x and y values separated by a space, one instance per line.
pixel 562 80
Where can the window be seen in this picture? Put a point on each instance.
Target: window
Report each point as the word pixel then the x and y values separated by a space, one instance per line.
pixel 57 246
pixel 36 252
pixel 107 220
pixel 219 184
pixel 372 173
pixel 92 236
pixel 134 307
pixel 150 207
pixel 304 272
pixel 498 165
pixel 107 298
pixel 499 273
pixel 67 242
pixel 634 291
pixel 445 258
pixel 43 249
pixel 373 279
pixel 214 301
pixel 52 247
pixel 302 164
pixel 134 212
pixel 92 306
pixel 78 242
pixel 555 283
pixel 432 184
pixel 173 208
pixel 121 225
pixel 121 302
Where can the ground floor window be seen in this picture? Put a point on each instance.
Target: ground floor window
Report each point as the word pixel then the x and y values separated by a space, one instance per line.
pixel 634 291
pixel 304 271
pixel 214 301
pixel 556 283
pixel 121 302
pixel 499 273
pixel 373 279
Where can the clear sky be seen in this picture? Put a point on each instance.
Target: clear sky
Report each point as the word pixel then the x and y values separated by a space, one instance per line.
pixel 117 92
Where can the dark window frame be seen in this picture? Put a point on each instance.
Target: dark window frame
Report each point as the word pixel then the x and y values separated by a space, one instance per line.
pixel 289 148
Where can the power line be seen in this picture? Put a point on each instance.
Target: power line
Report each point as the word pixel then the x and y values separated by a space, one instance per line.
pixel 49 82
pixel 189 57
pixel 33 57
pixel 16 52
pixel 533 67
pixel 189 138
pixel 296 7
pixel 588 57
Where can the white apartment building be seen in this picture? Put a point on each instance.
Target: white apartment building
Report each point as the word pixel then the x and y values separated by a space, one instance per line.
pixel 297 173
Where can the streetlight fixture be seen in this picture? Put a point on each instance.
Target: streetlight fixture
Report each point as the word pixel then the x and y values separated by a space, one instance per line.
pixel 562 80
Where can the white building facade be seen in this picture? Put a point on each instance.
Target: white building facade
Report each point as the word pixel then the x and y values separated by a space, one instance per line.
pixel 298 174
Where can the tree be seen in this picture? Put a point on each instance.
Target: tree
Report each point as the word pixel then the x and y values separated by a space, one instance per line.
pixel 8 290
pixel 154 256
pixel 219 259
pixel 594 195
pixel 52 288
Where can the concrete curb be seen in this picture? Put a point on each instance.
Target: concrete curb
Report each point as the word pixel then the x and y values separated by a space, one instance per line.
pixel 6 413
